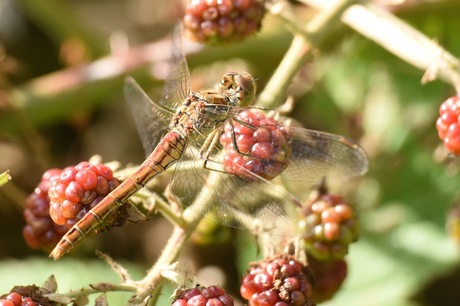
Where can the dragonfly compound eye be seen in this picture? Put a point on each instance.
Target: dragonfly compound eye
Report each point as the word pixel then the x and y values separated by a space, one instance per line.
pixel 247 88
pixel 240 89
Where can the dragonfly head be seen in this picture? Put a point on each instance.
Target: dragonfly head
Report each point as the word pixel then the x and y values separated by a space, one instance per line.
pixel 239 88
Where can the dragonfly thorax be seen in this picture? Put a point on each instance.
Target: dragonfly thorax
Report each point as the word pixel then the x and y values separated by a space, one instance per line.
pixel 200 110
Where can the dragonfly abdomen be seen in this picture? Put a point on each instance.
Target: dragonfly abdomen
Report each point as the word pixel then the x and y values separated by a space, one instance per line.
pixel 168 151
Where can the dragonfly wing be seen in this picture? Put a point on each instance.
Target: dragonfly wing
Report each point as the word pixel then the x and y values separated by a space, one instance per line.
pixel 177 84
pixel 256 205
pixel 317 155
pixel 151 119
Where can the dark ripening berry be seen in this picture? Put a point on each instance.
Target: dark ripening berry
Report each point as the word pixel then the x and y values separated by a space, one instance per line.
pixel 203 296
pixel 40 230
pixel 77 190
pixel 448 124
pixel 220 21
pixel 261 146
pixel 329 277
pixel 329 225
pixel 277 281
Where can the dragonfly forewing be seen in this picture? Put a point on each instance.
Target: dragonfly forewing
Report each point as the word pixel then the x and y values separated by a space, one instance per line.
pixel 319 155
pixel 177 84
pixel 152 120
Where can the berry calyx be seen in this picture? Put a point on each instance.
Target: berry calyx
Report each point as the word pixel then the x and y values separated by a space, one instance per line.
pixel 203 296
pixel 40 230
pixel 255 143
pixel 448 124
pixel 279 281
pixel 77 190
pixel 218 21
pixel 329 225
pixel 25 296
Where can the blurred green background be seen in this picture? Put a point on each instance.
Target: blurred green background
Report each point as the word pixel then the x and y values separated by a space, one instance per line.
pixel 62 65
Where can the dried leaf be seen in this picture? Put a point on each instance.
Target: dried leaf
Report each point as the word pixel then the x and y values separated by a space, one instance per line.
pixel 101 300
pixel 50 285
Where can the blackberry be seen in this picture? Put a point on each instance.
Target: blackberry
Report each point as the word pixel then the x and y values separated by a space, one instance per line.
pixel 203 296
pixel 77 190
pixel 40 230
pixel 262 146
pixel 25 296
pixel 448 124
pixel 329 277
pixel 219 21
pixel 279 281
pixel 328 226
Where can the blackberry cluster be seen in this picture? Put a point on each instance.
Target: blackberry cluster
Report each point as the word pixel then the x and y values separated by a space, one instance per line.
pixel 262 146
pixel 329 277
pixel 279 281
pixel 77 190
pixel 217 21
pixel 329 225
pixel 40 230
pixel 448 124
pixel 203 296
pixel 25 296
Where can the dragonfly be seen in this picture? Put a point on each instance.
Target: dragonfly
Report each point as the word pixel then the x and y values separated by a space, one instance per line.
pixel 183 130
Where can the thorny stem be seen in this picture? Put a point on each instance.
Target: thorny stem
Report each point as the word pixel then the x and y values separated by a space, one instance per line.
pixel 401 39
pixel 161 206
pixel 305 40
pixel 152 283
pixel 96 289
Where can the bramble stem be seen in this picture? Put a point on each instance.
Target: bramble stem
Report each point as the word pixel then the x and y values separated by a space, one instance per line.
pixel 305 40
pixel 161 206
pixel 152 283
pixel 401 39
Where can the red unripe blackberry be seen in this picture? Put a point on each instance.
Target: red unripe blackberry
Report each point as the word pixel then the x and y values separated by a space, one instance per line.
pixel 329 277
pixel 279 281
pixel 329 225
pixel 219 21
pixel 262 146
pixel 77 190
pixel 448 124
pixel 25 296
pixel 203 296
pixel 40 230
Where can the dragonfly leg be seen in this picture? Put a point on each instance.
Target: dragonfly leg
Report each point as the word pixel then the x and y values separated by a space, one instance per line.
pixel 206 151
pixel 210 143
